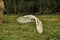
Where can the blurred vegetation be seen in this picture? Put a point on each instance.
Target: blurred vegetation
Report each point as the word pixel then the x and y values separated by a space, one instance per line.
pixel 32 6
pixel 12 30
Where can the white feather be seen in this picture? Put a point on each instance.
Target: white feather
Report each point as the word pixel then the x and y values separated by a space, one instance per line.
pixel 31 18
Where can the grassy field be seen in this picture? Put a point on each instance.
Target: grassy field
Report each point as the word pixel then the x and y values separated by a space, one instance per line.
pixel 12 30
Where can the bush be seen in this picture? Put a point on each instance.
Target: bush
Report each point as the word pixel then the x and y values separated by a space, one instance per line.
pixel 32 6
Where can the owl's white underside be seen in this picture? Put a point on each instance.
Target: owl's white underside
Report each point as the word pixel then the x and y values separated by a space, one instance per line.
pixel 31 18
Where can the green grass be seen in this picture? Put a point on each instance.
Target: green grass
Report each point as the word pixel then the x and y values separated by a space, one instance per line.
pixel 12 30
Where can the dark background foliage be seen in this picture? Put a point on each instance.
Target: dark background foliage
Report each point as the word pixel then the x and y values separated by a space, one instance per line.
pixel 32 6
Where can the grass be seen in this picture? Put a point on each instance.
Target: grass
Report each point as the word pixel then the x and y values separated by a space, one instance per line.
pixel 12 30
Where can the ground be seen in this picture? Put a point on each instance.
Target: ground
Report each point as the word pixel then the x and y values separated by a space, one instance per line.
pixel 12 30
